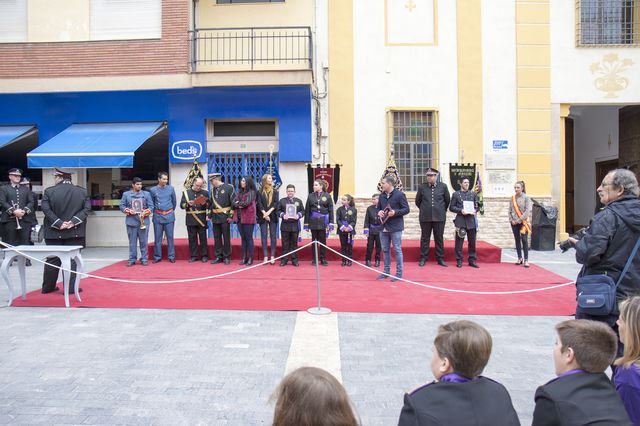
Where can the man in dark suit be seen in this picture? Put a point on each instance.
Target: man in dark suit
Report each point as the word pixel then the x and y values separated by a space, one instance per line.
pixel 432 198
pixel 196 202
pixel 18 209
pixel 581 394
pixel 290 226
pixel 465 222
pixel 222 195
pixel 65 207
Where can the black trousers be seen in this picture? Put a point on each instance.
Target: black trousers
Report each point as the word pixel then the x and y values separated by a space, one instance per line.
pixel 50 275
pixel 15 236
pixel 521 241
pixel 425 239
pixel 197 241
pixel 222 240
pixel 319 235
pixel 346 248
pixel 373 240
pixel 289 243
pixel 471 245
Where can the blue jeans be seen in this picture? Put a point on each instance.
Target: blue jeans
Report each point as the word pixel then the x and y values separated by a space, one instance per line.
pixel 136 235
pixel 158 229
pixel 271 229
pixel 395 238
pixel 246 238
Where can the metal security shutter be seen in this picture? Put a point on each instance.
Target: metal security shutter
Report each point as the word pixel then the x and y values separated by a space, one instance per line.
pixel 126 19
pixel 13 21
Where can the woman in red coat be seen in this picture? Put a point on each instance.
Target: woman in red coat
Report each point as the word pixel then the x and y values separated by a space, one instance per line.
pixel 244 205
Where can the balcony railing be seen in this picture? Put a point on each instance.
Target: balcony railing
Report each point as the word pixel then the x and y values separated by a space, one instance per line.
pixel 257 48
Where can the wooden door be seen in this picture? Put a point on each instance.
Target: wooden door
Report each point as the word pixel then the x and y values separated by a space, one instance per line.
pixel 602 168
pixel 569 176
pixel 629 145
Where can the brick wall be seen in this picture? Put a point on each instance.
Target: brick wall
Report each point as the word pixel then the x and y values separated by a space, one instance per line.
pixel 167 55
pixel 494 224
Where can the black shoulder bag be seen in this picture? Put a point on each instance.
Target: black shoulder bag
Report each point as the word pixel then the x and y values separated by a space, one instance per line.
pixel 596 294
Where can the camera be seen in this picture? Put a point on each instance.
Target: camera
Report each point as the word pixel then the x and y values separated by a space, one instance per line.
pixel 567 244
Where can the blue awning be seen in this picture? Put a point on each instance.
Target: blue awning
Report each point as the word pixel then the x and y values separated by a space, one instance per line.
pixel 9 134
pixel 94 145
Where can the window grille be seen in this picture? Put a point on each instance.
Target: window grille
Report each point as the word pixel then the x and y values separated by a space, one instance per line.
pixel 413 141
pixel 607 22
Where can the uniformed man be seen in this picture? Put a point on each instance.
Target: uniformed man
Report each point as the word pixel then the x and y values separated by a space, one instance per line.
pixel 432 198
pixel 65 207
pixel 222 195
pixel 290 225
pixel 30 218
pixel 136 204
pixel 164 218
pixel 18 210
pixel 465 221
pixel 319 218
pixel 196 202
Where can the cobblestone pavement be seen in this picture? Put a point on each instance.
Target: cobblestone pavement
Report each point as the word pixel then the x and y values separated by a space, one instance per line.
pixel 134 366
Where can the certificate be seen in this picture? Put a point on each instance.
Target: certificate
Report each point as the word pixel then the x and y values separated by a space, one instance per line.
pixel 291 211
pixel 137 205
pixel 469 206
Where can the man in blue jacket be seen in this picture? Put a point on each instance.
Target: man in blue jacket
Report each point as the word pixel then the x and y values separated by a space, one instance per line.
pixel 164 218
pixel 392 206
pixel 136 205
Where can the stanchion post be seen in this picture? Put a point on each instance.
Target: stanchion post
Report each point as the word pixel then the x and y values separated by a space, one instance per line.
pixel 318 310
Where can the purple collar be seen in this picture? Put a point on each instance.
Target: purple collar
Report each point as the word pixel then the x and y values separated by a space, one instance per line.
pixel 455 378
pixel 568 373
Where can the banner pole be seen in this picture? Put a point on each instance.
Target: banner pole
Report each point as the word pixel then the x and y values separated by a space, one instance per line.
pixel 318 310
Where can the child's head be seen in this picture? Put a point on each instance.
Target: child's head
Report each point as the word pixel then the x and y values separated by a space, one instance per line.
pixel 461 347
pixel 374 199
pixel 629 329
pixel 312 396
pixel 347 200
pixel 584 344
pixel 291 190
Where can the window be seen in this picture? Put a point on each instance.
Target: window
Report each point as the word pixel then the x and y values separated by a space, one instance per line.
pixel 413 136
pixel 607 22
pixel 125 19
pixel 247 1
pixel 264 129
pixel 13 20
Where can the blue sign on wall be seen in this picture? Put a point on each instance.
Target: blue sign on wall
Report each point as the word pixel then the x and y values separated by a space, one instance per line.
pixel 185 111
pixel 186 151
pixel 500 145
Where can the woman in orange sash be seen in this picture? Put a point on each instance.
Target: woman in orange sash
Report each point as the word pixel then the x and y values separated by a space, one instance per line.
pixel 519 212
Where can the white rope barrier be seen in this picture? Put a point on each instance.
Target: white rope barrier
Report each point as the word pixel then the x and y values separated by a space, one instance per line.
pixel 185 280
pixel 452 290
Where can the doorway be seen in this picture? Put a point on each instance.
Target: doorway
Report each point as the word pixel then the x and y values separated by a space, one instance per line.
pixel 569 195
pixel 602 168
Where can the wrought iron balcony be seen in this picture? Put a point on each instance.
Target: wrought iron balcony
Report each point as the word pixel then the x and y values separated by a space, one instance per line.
pixel 256 48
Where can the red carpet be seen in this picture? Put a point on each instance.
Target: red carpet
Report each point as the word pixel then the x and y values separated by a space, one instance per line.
pixel 487 253
pixel 343 289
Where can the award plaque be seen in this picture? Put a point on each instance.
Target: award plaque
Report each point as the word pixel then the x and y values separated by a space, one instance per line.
pixel 291 211
pixel 385 215
pixel 200 200
pixel 468 206
pixel 137 205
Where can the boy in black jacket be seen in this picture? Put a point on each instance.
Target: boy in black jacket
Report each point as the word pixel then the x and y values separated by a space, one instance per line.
pixel 372 229
pixel 460 396
pixel 581 394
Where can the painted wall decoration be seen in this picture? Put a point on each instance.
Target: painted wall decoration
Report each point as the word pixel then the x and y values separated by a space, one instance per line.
pixel 609 71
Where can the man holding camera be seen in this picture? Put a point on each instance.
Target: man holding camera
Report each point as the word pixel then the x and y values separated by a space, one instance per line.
pixel 606 245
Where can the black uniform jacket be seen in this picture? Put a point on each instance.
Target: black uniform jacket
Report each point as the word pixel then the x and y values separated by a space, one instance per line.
pixel 290 225
pixel 463 221
pixel 607 244
pixel 480 402
pixel 348 215
pixel 196 214
pixel 222 203
pixel 262 203
pixel 20 196
pixel 62 203
pixel 318 203
pixel 372 221
pixel 579 399
pixel 433 202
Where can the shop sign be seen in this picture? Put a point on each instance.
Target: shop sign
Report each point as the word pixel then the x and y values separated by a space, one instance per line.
pixel 185 151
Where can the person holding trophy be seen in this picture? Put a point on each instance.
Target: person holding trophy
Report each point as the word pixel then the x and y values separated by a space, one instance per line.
pixel 136 204
pixel 465 204
pixel 18 202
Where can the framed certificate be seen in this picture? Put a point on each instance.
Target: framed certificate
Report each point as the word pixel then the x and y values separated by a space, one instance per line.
pixel 469 206
pixel 291 211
